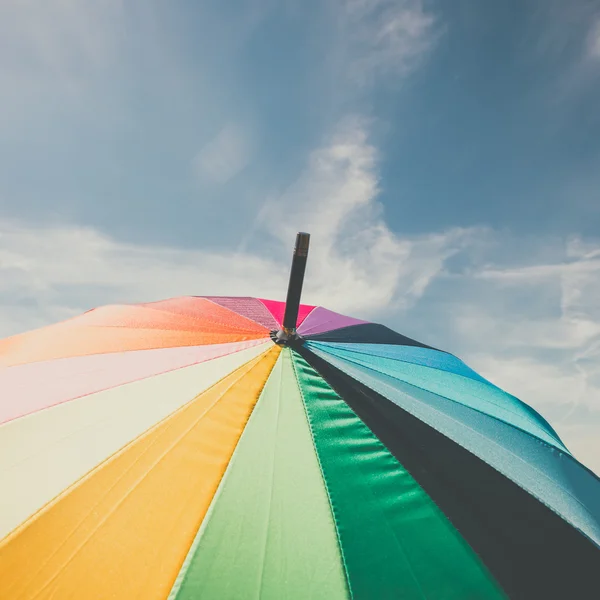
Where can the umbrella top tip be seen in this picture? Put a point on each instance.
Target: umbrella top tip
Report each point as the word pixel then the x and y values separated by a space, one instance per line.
pixel 302 243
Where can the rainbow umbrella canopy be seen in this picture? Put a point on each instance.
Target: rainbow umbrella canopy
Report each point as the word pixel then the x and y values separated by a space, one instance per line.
pixel 210 448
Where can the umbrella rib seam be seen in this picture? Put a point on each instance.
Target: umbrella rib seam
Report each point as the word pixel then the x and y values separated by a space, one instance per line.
pixel 478 379
pixel 138 379
pixel 325 484
pixel 563 450
pixel 536 496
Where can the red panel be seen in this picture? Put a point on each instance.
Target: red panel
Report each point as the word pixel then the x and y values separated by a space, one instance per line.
pixel 277 309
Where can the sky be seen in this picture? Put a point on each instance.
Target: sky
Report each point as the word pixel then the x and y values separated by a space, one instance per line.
pixel 444 156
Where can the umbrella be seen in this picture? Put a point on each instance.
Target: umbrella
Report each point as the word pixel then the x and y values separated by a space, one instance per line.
pixel 233 448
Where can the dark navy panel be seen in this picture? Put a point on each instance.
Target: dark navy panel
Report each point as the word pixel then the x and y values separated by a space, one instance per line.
pixel 530 550
pixel 367 333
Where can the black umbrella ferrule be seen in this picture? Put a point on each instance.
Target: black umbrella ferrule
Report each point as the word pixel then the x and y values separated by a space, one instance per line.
pixel 287 334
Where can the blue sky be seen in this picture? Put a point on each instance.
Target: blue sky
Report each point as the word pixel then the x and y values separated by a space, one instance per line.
pixel 444 155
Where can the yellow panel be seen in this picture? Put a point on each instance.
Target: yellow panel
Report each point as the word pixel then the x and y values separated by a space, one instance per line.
pixel 123 531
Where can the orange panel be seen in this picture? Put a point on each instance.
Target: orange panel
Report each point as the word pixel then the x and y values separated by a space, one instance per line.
pixel 124 530
pixel 129 327
pixel 124 315
pixel 197 307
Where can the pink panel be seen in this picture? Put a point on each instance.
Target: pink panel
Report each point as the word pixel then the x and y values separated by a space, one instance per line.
pixel 277 309
pixel 32 387
pixel 251 308
pixel 321 320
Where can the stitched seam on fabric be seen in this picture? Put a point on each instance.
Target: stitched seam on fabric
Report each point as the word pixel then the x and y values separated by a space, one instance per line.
pixel 178 345
pixel 551 434
pixel 176 585
pixel 325 484
pixel 141 479
pixel 541 500
pixel 200 320
pixel 145 433
pixel 115 483
pixel 382 447
pixel 204 317
pixel 408 362
pixel 127 352
pixel 268 314
pixel 540 440
pixel 417 344
pixel 308 315
pixel 270 506
pixel 252 321
pixel 531 413
pixel 269 311
pixel 143 378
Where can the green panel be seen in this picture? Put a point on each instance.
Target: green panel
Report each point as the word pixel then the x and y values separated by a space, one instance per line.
pixel 395 541
pixel 269 533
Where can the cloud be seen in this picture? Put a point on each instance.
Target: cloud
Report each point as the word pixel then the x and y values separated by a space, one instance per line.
pixel 61 36
pixel 60 271
pixel 354 255
pixel 524 312
pixel 387 36
pixel 228 153
pixel 593 40
pixel 577 278
pixel 357 263
pixel 531 325
pixel 58 45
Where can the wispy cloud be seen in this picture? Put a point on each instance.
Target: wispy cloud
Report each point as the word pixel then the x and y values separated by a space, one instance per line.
pixel 58 45
pixel 223 157
pixel 60 36
pixel 355 256
pixel 528 324
pixel 387 37
pixel 533 327
pixel 357 263
pixel 593 40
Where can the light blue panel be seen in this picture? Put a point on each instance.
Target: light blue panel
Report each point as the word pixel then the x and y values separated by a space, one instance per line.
pixel 427 357
pixel 474 393
pixel 552 476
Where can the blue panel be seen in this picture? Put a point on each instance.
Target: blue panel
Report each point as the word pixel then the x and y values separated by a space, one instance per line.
pixel 466 390
pixel 427 357
pixel 552 476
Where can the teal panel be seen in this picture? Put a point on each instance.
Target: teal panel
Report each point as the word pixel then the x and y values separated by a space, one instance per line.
pixel 395 541
pixel 269 533
pixel 476 394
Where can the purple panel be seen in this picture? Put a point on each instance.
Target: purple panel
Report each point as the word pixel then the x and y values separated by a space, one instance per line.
pixel 321 319
pixel 251 308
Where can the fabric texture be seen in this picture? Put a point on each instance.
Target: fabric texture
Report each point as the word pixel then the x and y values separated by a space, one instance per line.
pixel 528 547
pixel 251 308
pixel 47 451
pixel 130 498
pixel 273 511
pixel 171 450
pixel 277 309
pixel 395 541
pixel 321 319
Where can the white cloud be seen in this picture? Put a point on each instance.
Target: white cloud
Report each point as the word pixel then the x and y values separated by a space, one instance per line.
pixel 387 36
pixel 228 153
pixel 356 262
pixel 593 40
pixel 531 328
pixel 534 330
pixel 577 278
pixel 58 272
pixel 57 43
pixel 354 255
